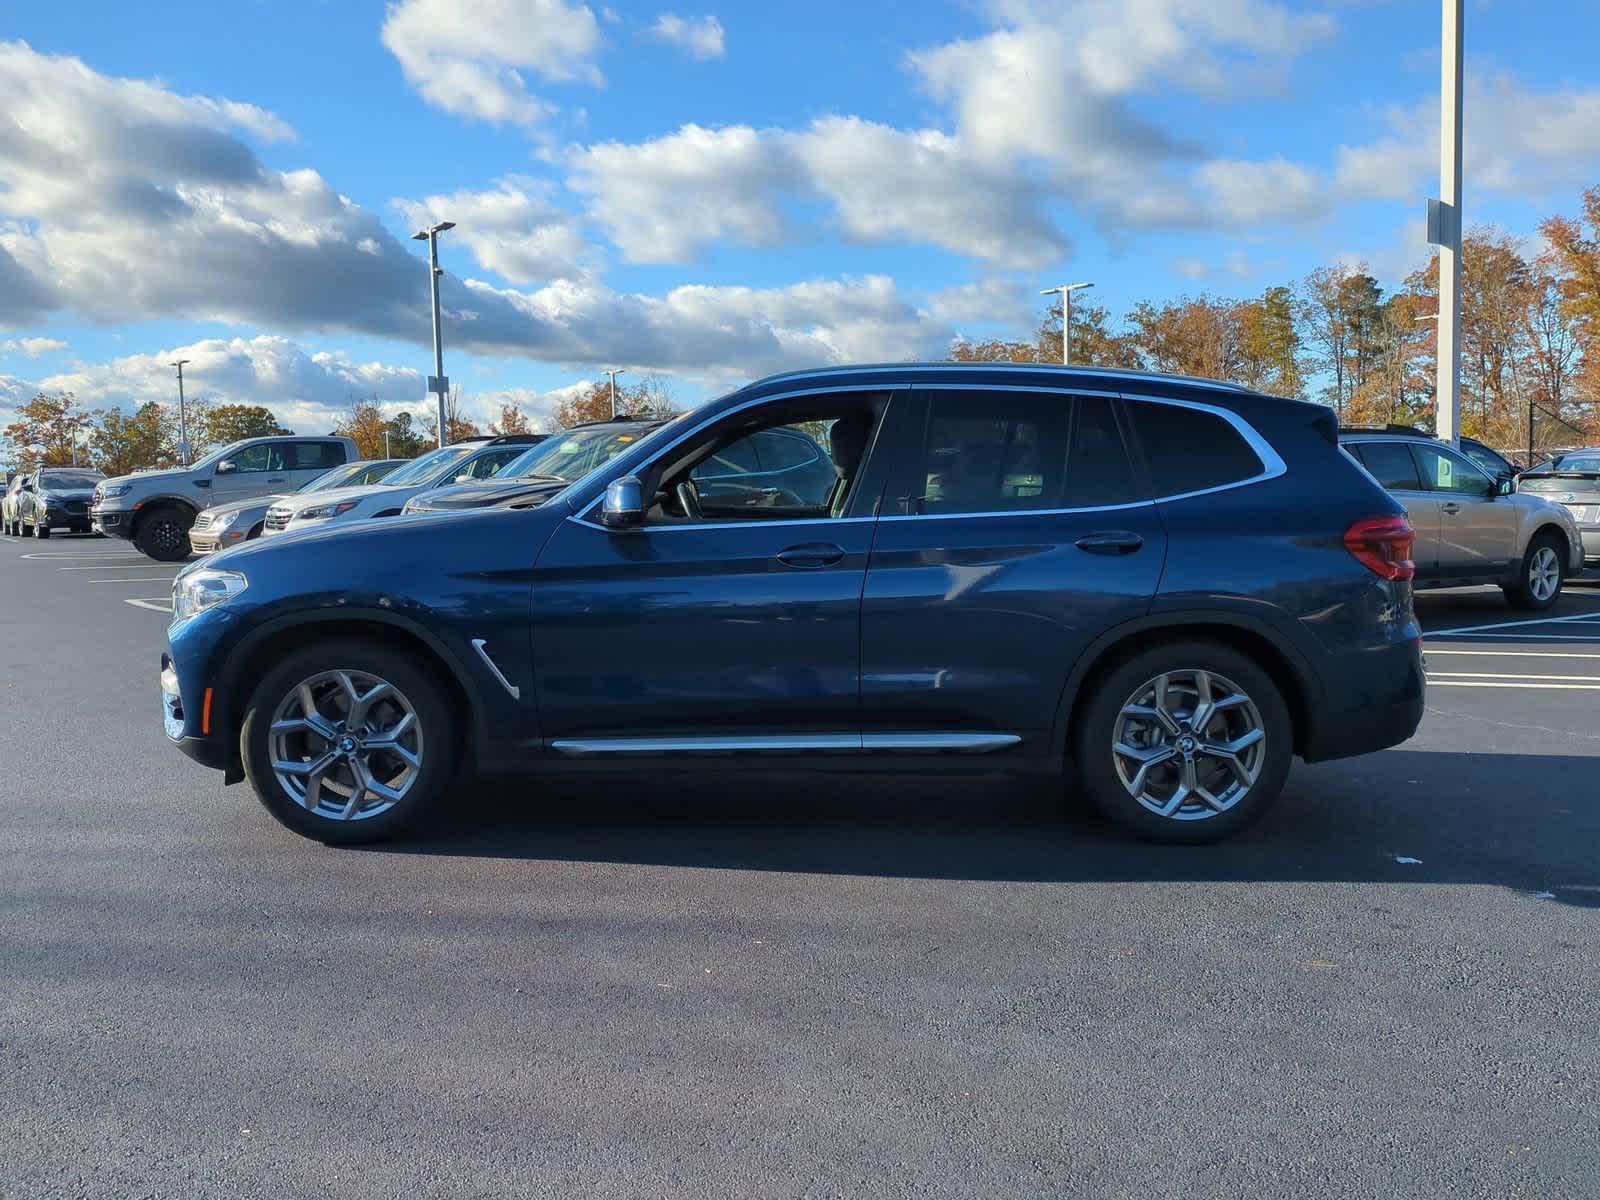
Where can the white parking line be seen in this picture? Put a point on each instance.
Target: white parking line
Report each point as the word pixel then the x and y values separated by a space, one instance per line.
pixel 1580 617
pixel 1514 653
pixel 154 605
pixel 138 579
pixel 1552 687
pixel 1441 675
pixel 113 567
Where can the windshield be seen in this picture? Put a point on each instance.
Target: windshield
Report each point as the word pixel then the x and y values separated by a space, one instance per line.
pixel 431 465
pixel 656 437
pixel 333 477
pixel 1579 462
pixel 70 479
pixel 569 455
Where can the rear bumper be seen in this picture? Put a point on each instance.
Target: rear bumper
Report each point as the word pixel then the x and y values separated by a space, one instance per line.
pixel 1373 700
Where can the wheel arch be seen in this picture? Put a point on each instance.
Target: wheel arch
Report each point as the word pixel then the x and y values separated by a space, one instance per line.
pixel 1286 666
pixel 285 635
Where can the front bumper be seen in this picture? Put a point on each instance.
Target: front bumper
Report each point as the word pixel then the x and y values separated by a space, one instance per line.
pixel 179 724
pixel 1591 546
pixel 113 522
pixel 209 541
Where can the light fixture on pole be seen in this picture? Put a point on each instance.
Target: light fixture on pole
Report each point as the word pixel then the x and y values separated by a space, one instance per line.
pixel 614 372
pixel 1066 291
pixel 183 420
pixel 437 382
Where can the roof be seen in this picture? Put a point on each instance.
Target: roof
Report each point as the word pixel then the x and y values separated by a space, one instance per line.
pixel 978 370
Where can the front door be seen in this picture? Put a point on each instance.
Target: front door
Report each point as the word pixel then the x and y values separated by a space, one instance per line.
pixel 714 625
pixel 257 470
pixel 1017 535
pixel 1477 534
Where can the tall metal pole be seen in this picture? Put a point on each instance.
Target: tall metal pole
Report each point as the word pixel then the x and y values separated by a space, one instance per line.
pixel 1447 420
pixel 1066 291
pixel 438 344
pixel 183 420
pixel 614 372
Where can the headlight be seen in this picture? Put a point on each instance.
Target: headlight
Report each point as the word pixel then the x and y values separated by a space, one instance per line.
pixel 117 489
pixel 196 591
pixel 223 521
pixel 324 512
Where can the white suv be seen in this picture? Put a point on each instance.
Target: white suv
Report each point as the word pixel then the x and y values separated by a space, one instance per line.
pixel 477 458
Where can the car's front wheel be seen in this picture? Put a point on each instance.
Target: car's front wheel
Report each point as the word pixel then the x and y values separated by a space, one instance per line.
pixel 1184 742
pixel 1544 570
pixel 164 533
pixel 348 741
pixel 39 530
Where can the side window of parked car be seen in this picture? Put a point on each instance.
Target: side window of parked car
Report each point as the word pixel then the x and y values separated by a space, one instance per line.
pixel 1188 450
pixel 1017 451
pixel 1390 463
pixel 265 457
pixel 315 456
pixel 1446 471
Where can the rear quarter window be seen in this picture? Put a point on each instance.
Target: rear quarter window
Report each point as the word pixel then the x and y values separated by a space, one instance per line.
pixel 1189 450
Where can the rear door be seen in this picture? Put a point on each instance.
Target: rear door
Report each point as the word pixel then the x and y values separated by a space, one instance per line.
pixel 1477 532
pixel 304 461
pixel 1391 464
pixel 1013 534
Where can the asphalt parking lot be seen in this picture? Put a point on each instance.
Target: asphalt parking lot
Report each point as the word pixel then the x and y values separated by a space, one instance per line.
pixel 783 987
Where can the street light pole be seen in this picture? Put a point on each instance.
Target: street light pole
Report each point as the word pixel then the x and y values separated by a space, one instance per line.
pixel 614 372
pixel 437 382
pixel 1444 230
pixel 183 420
pixel 1066 291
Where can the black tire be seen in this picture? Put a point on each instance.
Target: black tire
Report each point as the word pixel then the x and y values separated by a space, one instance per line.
pixel 1096 716
pixel 24 529
pixel 163 533
pixel 255 531
pixel 41 531
pixel 439 744
pixel 1524 594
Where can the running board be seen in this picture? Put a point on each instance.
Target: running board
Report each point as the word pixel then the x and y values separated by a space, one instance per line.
pixel 837 743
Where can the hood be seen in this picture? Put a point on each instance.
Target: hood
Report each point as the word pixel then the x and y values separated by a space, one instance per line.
pixel 335 495
pixel 138 476
pixel 261 503
pixel 497 491
pixel 75 493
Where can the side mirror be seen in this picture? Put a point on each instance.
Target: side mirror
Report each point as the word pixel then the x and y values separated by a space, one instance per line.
pixel 226 467
pixel 1504 484
pixel 623 507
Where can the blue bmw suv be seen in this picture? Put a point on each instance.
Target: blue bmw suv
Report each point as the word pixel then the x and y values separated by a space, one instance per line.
pixel 1160 588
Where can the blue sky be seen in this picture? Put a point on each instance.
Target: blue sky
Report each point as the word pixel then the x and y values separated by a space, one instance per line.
pixel 716 191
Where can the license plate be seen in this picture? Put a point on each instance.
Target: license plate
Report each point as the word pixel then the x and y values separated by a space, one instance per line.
pixel 1581 512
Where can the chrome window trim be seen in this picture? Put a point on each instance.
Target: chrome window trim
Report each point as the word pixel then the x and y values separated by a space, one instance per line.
pixel 978 369
pixel 478 644
pixel 730 523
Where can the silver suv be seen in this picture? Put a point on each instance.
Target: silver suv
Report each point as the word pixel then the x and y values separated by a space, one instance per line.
pixel 155 509
pixel 1471 528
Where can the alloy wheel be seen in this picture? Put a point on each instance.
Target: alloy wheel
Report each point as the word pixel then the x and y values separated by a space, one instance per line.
pixel 346 745
pixel 1544 573
pixel 1189 744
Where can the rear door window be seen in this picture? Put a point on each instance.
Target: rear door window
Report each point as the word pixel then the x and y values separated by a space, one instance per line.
pixel 1190 450
pixel 1390 463
pixel 315 456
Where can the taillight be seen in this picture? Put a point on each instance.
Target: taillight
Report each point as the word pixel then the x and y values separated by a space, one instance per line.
pixel 1383 546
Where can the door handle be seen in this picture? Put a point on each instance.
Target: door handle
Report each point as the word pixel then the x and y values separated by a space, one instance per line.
pixel 811 554
pixel 202 483
pixel 1450 509
pixel 1116 541
pixel 278 479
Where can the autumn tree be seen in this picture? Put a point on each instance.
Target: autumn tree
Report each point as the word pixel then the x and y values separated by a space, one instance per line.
pixel 1093 342
pixel 512 420
pixel 224 424
pixel 1189 336
pixel 995 350
pixel 651 398
pixel 126 442
pixel 1269 343
pixel 457 426
pixel 1574 264
pixel 365 426
pixel 46 430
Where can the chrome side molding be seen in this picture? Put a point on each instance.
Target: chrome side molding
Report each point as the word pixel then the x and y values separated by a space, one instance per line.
pixel 849 743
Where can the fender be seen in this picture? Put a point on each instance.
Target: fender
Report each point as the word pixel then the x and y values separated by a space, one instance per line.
pixel 250 642
pixel 165 497
pixel 1178 619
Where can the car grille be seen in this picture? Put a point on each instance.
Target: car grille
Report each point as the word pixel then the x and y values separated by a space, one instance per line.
pixel 77 507
pixel 203 521
pixel 278 518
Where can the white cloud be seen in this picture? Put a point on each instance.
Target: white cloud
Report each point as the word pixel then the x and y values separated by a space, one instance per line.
pixel 511 230
pixel 468 56
pixel 1010 303
pixel 33 347
pixel 699 37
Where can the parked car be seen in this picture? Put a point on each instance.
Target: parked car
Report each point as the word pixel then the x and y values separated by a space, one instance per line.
pixel 10 525
pixel 54 498
pixel 1573 480
pixel 1491 461
pixel 1172 585
pixel 1471 528
pixel 155 509
pixel 225 524
pixel 469 459
pixel 541 472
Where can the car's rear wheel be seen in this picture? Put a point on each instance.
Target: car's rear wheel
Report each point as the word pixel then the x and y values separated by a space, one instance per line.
pixel 348 741
pixel 1184 742
pixel 163 534
pixel 23 528
pixel 42 531
pixel 1544 570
